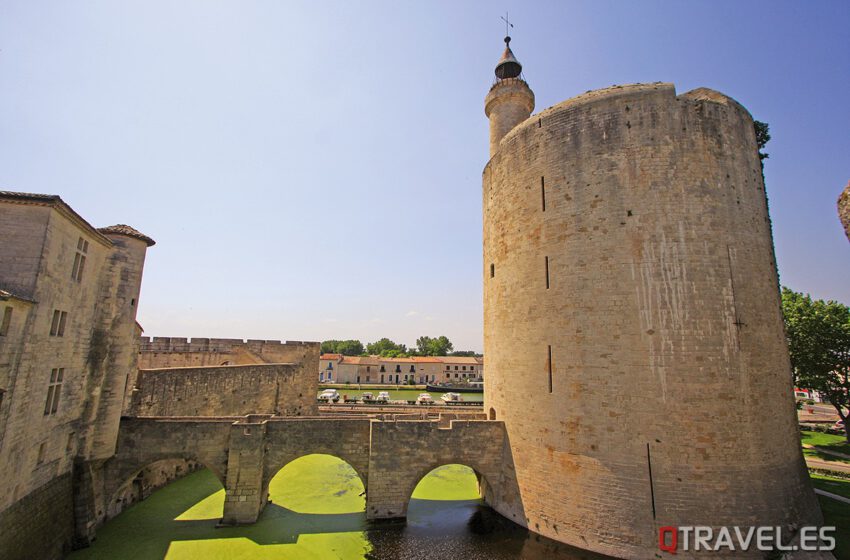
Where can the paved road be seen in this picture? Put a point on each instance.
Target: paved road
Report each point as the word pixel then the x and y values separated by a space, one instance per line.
pixel 828 465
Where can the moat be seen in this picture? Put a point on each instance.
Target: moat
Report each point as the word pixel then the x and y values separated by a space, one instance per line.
pixel 318 512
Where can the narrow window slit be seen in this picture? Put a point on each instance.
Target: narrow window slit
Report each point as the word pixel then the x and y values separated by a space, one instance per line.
pixel 543 193
pixel 549 365
pixel 492 270
pixel 547 272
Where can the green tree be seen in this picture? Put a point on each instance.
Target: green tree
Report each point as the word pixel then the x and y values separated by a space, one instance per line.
pixel 762 138
pixel 344 347
pixel 819 345
pixel 466 353
pixel 427 346
pixel 387 348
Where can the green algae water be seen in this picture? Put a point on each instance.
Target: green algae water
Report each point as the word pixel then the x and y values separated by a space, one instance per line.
pixel 317 512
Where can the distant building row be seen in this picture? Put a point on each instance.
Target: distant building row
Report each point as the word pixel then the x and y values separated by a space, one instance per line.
pixel 335 368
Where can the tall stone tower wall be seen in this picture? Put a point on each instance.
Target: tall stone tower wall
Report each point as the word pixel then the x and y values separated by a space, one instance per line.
pixel 632 323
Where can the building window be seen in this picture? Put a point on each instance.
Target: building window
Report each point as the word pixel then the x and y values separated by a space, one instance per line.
pixel 42 451
pixel 492 270
pixel 455 368
pixel 80 260
pixel 412 369
pixel 448 376
pixel 321 376
pixel 456 376
pixel 330 365
pixel 463 367
pixel 547 273
pixel 54 390
pixel 57 326
pixel 7 320
pixel 397 369
pixel 367 379
pixel 368 369
pixel 358 379
pixel 448 368
pixel 383 369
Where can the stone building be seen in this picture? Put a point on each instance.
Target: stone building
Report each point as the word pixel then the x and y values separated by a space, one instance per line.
pixel 68 299
pixel 629 282
pixel 335 368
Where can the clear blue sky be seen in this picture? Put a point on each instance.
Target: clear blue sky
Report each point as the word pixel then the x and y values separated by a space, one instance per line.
pixel 311 170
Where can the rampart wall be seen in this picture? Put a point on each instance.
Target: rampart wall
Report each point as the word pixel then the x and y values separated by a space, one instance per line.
pixel 166 352
pixel 278 389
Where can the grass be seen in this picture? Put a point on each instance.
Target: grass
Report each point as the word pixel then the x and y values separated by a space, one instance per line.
pixel 838 486
pixel 837 514
pixel 831 442
pixel 317 513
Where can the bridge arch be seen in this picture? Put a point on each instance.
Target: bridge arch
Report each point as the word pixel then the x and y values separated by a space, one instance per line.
pixel 326 484
pixel 120 475
pixel 410 482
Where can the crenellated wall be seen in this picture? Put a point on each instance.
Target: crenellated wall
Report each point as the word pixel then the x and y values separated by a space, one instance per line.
pixel 164 352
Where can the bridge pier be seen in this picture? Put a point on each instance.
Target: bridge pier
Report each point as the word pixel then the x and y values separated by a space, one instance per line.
pixel 245 493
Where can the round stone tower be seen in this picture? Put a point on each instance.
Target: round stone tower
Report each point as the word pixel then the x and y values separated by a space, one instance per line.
pixel 632 327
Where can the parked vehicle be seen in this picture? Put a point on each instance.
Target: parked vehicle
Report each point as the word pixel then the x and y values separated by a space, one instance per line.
pixel 329 395
pixel 424 398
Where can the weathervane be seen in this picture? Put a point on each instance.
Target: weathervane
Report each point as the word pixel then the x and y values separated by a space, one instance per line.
pixel 508 25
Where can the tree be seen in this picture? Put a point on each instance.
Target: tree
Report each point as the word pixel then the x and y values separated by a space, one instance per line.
pixel 427 346
pixel 762 138
pixel 344 347
pixel 819 345
pixel 386 348
pixel 466 353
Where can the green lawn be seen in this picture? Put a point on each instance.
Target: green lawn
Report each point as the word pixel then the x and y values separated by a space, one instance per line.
pixel 827 441
pixel 838 486
pixel 837 514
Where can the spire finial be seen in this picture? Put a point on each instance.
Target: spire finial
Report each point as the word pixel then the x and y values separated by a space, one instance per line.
pixel 508 25
pixel 509 66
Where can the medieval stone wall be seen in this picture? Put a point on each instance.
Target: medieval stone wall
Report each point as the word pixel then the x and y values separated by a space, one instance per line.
pixel 281 389
pixel 46 420
pixel 632 324
pixel 41 525
pixel 165 352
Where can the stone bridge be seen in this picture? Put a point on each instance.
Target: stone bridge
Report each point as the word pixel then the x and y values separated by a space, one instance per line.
pixel 390 456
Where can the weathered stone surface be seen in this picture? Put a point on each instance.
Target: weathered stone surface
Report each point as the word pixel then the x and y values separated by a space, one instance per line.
pixel 40 525
pixel 627 249
pixel 282 389
pixel 169 352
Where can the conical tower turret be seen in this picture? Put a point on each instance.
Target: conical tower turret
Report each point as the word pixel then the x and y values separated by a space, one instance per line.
pixel 510 100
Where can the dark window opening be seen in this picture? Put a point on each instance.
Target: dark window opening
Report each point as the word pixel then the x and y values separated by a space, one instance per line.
pixel 492 270
pixel 547 273
pixel 54 390
pixel 549 366
pixel 543 193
